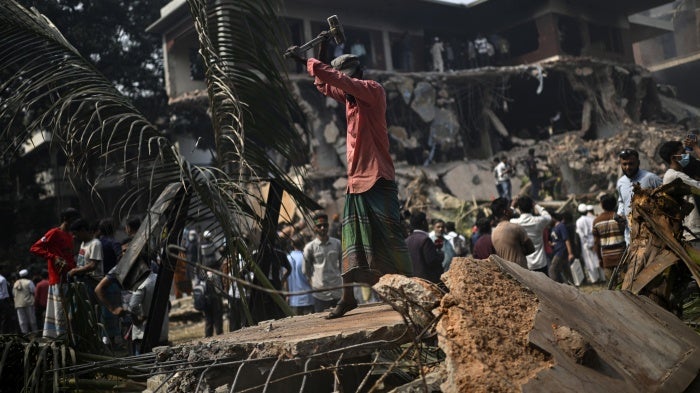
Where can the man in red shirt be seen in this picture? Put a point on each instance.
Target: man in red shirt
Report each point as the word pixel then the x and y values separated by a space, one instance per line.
pixel 56 246
pixel 372 236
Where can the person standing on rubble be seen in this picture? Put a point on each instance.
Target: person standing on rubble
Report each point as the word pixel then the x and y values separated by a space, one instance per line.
pixel 629 163
pixel 532 173
pixel 502 173
pixel 373 241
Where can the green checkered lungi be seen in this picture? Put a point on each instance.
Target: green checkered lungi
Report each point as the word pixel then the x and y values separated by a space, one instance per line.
pixel 372 233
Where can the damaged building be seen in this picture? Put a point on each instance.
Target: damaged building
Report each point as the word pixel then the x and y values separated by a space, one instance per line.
pixel 569 74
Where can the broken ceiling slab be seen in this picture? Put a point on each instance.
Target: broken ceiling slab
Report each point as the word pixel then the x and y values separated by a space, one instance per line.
pixel 509 329
pixel 471 181
pixel 359 332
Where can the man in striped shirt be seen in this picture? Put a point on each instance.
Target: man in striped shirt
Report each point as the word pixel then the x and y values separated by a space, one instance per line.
pixel 608 236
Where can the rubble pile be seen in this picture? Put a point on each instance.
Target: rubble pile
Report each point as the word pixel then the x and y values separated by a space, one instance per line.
pixel 591 166
pixel 487 318
pixel 508 329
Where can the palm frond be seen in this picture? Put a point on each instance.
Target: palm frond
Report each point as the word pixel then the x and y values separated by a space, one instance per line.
pixel 47 86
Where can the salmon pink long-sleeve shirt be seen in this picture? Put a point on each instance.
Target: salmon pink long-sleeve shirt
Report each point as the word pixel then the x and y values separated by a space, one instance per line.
pixel 367 138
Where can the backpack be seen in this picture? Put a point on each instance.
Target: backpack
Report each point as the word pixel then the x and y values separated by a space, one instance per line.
pixel 199 295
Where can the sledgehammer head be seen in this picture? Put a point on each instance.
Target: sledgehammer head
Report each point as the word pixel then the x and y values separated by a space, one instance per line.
pixel 336 29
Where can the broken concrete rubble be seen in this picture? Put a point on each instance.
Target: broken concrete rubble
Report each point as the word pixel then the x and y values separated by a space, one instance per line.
pixel 275 354
pixel 413 298
pixel 502 328
pixel 508 329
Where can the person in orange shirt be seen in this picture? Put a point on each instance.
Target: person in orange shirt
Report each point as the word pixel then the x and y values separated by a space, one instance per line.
pixel 372 235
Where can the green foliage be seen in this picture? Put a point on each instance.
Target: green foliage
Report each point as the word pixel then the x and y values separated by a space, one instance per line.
pixel 112 34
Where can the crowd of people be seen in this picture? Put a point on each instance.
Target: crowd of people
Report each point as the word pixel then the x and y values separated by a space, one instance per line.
pixel 312 264
pixel 40 298
pixel 523 232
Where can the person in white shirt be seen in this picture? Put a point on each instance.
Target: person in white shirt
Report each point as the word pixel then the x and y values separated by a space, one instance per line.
pixel 534 219
pixel 436 53
pixel 457 240
pixel 502 173
pixel 584 229
pixel 629 163
pixel 88 265
pixel 322 265
pixel 23 292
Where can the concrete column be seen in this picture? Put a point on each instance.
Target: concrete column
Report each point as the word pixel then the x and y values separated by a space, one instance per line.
pixel 387 51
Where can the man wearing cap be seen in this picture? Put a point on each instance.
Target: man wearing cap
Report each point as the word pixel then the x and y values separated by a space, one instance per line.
pixel 373 241
pixel 584 230
pixel 629 163
pixel 56 246
pixel 23 292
